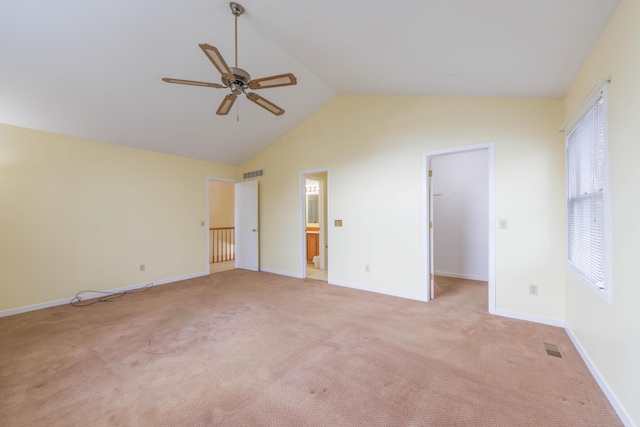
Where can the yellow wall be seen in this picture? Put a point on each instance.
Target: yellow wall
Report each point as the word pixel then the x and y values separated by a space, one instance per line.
pixel 221 204
pixel 77 214
pixel 610 333
pixel 373 147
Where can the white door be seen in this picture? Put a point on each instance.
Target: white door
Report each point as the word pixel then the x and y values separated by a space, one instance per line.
pixel 246 217
pixel 431 262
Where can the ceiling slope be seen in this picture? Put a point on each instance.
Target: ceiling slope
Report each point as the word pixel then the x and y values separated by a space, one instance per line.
pixel 94 69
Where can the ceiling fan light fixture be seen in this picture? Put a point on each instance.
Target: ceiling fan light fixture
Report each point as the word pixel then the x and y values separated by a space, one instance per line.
pixel 236 89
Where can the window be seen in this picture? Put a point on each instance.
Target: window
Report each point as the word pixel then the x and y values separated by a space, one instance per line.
pixel 588 197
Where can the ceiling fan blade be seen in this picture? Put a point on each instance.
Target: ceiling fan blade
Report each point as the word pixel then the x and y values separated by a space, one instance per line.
pixel 267 105
pixel 274 81
pixel 192 82
pixel 226 105
pixel 218 61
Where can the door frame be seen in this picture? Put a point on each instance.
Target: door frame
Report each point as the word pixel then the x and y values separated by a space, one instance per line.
pixel 491 229
pixel 324 254
pixel 208 214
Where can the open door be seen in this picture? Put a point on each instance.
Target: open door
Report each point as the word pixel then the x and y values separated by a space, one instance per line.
pixel 432 277
pixel 246 219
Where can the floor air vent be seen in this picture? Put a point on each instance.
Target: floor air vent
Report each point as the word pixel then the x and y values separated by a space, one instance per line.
pixel 552 350
pixel 253 174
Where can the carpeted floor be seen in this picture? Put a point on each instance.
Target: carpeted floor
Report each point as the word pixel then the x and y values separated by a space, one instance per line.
pixel 241 348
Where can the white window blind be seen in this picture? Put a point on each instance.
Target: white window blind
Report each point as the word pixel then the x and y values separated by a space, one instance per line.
pixel 587 195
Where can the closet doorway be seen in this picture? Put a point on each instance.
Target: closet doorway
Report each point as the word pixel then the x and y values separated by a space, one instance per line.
pixel 460 217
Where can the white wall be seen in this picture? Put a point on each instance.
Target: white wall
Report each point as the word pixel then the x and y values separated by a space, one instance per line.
pixel 461 215
pixel 609 334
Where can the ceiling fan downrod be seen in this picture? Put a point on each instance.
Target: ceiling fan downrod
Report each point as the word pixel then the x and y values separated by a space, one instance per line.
pixel 237 10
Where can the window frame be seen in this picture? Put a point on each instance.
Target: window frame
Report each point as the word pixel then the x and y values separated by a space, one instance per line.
pixel 603 291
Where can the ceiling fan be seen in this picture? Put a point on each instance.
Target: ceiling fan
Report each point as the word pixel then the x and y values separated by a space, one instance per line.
pixel 236 79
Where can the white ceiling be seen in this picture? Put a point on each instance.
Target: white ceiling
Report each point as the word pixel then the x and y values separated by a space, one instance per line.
pixel 93 69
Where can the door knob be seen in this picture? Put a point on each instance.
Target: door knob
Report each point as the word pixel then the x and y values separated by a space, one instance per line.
pixel 254 230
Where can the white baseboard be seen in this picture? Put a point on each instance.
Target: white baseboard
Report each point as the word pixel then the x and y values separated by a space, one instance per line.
pixel 622 413
pixel 530 318
pixel 461 276
pixel 615 403
pixel 378 290
pixel 281 273
pixel 49 304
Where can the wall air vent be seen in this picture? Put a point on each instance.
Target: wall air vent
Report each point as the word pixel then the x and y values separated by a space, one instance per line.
pixel 253 174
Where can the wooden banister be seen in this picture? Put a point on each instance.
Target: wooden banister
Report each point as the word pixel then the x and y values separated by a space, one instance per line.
pixel 223 243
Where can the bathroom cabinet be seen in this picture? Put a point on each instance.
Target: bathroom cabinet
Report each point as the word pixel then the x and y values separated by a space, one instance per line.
pixel 313 242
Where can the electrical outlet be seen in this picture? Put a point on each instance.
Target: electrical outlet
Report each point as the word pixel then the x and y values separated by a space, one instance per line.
pixel 141 267
pixel 533 289
pixel 366 268
pixel 338 223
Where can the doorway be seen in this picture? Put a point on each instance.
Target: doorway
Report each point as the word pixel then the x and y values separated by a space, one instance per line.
pixel 221 206
pixel 460 217
pixel 232 219
pixel 314 201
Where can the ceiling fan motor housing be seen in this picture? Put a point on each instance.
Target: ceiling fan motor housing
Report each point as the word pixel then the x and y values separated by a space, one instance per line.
pixel 241 80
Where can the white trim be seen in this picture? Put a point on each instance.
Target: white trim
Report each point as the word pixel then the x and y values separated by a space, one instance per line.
pixel 617 406
pixel 378 291
pixel 64 301
pixel 461 276
pixel 489 146
pixel 281 273
pixel 492 229
pixel 530 318
pixel 426 263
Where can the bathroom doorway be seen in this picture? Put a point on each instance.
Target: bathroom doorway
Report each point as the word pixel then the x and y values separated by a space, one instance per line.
pixel 314 220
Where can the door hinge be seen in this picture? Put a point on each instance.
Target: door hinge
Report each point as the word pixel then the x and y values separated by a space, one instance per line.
pixel 430 173
pixel 430 224
pixel 431 276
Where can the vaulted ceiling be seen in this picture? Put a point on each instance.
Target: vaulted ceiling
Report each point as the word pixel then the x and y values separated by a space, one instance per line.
pixel 93 69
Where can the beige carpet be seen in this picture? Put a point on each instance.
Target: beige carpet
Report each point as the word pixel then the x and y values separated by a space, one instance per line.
pixel 241 348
